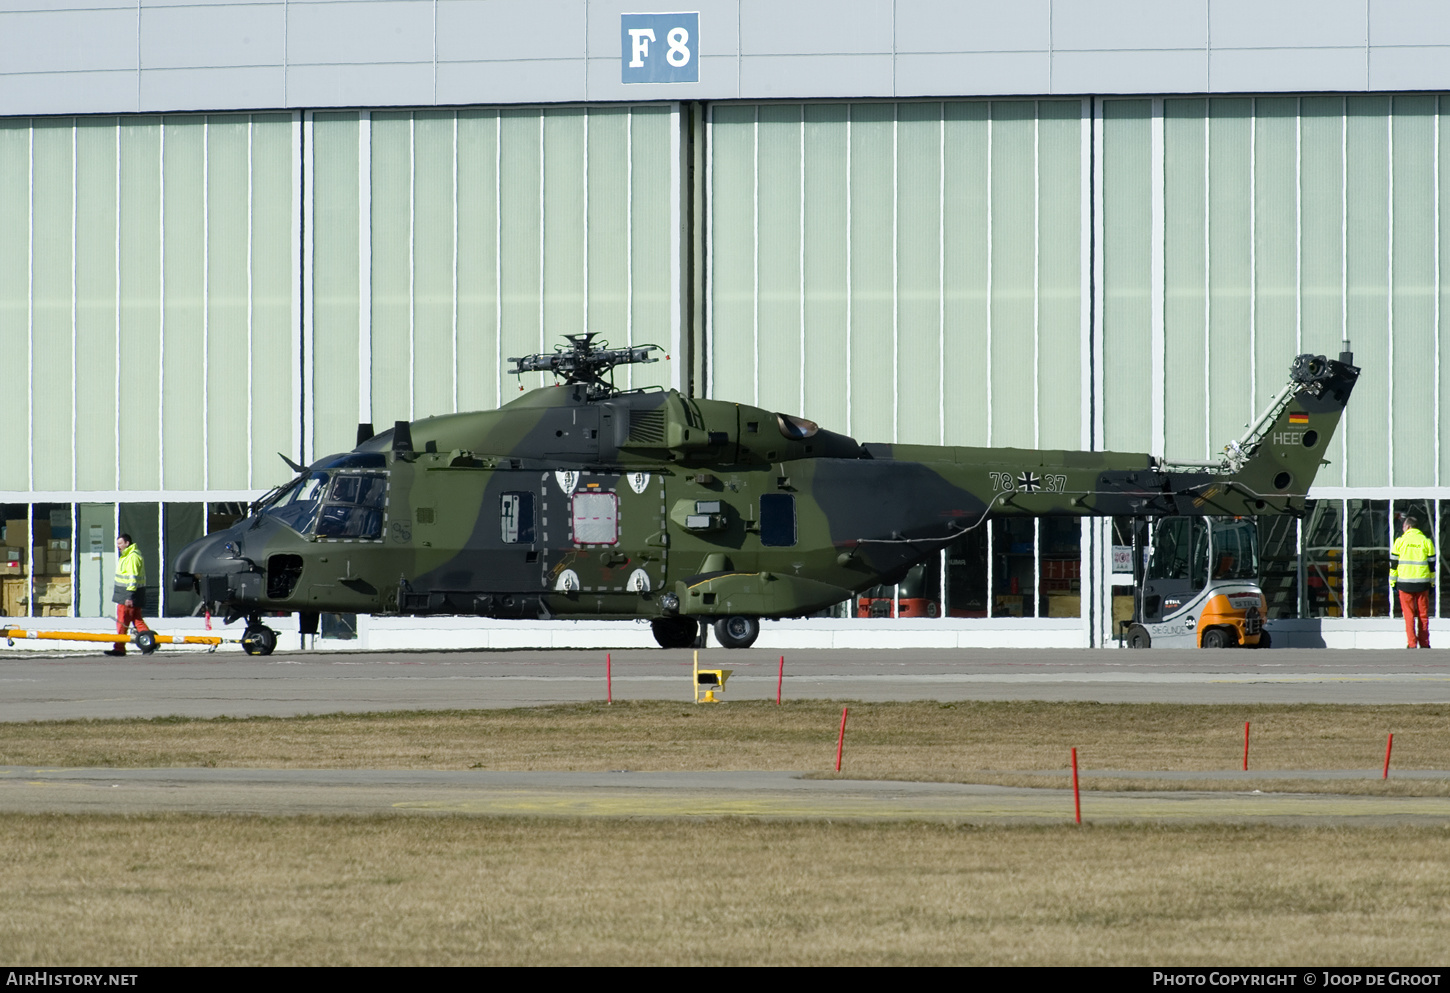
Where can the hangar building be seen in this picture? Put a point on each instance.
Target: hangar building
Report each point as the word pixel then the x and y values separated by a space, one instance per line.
pixel 232 229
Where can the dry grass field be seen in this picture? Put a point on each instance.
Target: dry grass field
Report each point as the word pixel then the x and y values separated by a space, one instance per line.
pixel 172 890
pixel 1008 743
pixel 454 889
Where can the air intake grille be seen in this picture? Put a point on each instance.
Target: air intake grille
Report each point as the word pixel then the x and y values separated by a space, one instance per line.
pixel 647 427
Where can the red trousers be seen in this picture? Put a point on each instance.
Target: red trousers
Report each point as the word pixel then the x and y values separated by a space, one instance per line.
pixel 125 617
pixel 1416 606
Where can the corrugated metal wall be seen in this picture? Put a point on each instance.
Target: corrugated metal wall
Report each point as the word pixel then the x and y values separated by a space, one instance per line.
pixel 1286 224
pixel 146 294
pixel 445 242
pixel 882 267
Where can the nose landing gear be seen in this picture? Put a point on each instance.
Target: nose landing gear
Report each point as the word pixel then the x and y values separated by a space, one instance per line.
pixel 258 639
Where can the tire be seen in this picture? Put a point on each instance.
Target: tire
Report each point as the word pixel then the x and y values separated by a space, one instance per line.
pixel 1217 638
pixel 259 640
pixel 1264 641
pixel 675 632
pixel 1138 637
pixel 146 641
pixel 737 631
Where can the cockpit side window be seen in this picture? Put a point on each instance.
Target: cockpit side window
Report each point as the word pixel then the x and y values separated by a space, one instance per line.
pixel 354 507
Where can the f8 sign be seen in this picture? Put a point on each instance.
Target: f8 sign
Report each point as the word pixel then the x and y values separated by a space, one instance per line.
pixel 659 48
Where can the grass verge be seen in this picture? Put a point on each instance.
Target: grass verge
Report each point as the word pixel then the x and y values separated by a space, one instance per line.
pixel 1013 743
pixel 190 890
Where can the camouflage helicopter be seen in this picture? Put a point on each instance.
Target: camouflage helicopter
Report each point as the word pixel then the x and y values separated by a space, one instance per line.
pixel 587 501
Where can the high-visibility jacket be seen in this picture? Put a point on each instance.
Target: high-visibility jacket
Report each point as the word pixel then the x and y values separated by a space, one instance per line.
pixel 130 576
pixel 1412 562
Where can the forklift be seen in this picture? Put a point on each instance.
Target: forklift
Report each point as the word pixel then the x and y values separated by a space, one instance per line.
pixel 1199 586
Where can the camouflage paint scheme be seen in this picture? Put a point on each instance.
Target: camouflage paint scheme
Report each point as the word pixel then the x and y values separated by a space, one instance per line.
pixel 720 510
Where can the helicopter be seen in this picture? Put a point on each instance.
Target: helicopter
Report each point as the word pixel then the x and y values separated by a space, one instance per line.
pixel 582 500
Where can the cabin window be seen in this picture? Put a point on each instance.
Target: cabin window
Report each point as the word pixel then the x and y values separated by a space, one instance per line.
pixel 596 519
pixel 516 517
pixel 354 507
pixel 777 519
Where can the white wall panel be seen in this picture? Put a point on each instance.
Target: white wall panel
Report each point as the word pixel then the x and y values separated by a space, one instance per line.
pixel 974 25
pixel 53 301
pixel 213 36
pixel 1367 195
pixel 1413 287
pixel 336 286
pixel 139 405
pixel 1316 23
pixel 228 283
pixel 1128 24
pixel 275 253
pixel 771 28
pixel 825 286
pixel 778 262
pixel 96 264
pixel 541 29
pixel 434 369
pixel 872 286
pixel 1126 275
pixel 919 273
pixel 98 58
pixel 966 273
pixel 377 31
pixel 183 312
pixel 62 41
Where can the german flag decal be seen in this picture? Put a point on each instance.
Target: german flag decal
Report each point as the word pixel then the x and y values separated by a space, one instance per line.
pixel 1298 418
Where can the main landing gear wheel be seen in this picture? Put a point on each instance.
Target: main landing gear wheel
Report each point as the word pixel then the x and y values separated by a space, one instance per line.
pixel 1138 637
pixel 1217 638
pixel 146 641
pixel 737 631
pixel 259 640
pixel 675 632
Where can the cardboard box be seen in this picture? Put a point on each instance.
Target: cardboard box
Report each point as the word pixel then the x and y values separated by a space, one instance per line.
pixel 58 545
pixel 1064 605
pixel 17 532
pixel 53 590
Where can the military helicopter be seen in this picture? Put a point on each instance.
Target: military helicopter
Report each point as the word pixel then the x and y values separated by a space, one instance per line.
pixel 587 501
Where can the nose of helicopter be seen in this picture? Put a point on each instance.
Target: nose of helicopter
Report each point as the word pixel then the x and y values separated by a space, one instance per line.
pixel 217 555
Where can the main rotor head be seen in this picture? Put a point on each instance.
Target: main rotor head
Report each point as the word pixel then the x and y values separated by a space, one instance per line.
pixel 581 361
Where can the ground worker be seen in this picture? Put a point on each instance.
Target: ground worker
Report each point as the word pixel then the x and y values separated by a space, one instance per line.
pixel 1412 572
pixel 129 592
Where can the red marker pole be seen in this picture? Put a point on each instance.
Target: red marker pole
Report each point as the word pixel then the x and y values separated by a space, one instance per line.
pixel 1076 803
pixel 841 741
pixel 1388 745
pixel 609 676
pixel 1246 746
pixel 779 679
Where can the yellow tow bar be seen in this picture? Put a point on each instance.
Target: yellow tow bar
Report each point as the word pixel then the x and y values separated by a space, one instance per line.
pixel 146 645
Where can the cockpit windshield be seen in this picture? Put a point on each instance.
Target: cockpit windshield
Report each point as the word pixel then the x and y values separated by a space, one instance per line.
pixel 296 506
pixel 332 504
